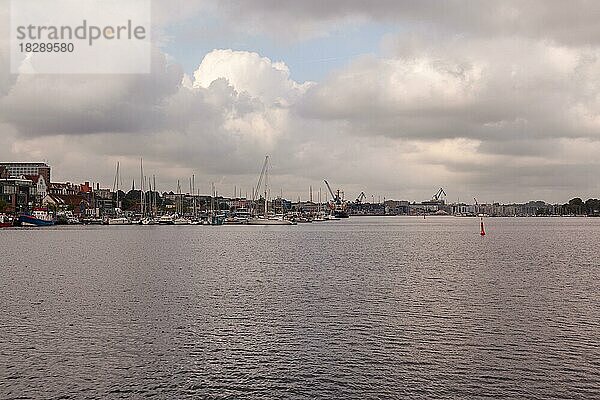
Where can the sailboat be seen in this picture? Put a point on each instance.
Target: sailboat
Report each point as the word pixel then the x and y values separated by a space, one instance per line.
pixel 266 218
pixel 145 209
pixel 215 217
pixel 118 219
pixel 320 215
pixel 180 219
pixel 150 218
pixel 194 220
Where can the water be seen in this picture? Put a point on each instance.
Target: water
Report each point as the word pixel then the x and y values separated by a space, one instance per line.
pixel 394 307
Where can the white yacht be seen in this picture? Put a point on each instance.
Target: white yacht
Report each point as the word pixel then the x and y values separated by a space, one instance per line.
pixel 271 220
pixel 119 221
pixel 181 221
pixel 166 220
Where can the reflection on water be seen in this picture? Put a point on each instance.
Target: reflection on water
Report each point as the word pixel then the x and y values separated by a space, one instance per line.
pixel 364 308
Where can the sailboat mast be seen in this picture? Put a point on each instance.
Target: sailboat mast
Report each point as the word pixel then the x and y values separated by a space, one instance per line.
pixel 319 200
pixel 212 198
pixel 117 184
pixel 154 195
pixel 178 202
pixel 266 184
pixel 191 193
pixel 194 194
pixel 142 187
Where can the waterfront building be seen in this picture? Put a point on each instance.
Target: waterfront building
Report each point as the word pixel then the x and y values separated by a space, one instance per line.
pixel 18 194
pixel 237 203
pixel 103 194
pixel 66 188
pixel 368 208
pixel 463 209
pixel 78 204
pixel 40 183
pixel 306 207
pixel 169 196
pixel 16 169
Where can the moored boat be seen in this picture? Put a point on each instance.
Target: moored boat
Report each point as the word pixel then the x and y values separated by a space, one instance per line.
pixel 93 221
pixel 340 213
pixel 39 217
pixel 270 220
pixel 216 219
pixel 234 221
pixel 119 221
pixel 166 220
pixel 5 221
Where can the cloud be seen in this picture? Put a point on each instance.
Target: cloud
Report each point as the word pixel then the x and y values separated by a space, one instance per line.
pixel 571 23
pixel 249 72
pixel 491 89
pixel 40 104
pixel 497 99
pixel 396 125
pixel 222 125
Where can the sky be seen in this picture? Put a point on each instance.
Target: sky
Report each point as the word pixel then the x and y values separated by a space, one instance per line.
pixel 498 100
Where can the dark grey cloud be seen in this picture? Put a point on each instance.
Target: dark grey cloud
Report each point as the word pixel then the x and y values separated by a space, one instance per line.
pixel 40 104
pixel 573 22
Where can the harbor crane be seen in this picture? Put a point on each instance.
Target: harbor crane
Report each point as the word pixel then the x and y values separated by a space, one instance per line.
pixel 438 195
pixel 336 196
pixel 339 206
pixel 361 197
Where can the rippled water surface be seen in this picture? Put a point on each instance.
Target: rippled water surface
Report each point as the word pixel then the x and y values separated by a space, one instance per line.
pixel 394 307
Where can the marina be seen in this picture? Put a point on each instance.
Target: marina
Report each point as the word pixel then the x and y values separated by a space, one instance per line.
pixel 104 207
pixel 26 200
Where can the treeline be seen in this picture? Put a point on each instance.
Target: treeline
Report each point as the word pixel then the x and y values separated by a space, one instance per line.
pixel 580 207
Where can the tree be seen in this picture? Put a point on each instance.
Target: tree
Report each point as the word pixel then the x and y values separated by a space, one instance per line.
pixel 592 206
pixel 576 202
pixel 3 205
pixel 576 205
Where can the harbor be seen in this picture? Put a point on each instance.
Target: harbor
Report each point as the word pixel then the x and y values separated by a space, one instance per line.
pixel 28 198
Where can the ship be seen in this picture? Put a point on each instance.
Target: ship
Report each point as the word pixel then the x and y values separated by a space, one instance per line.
pixel 339 207
pixel 39 217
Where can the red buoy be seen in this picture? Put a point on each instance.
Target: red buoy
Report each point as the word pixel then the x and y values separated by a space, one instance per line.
pixel 482 228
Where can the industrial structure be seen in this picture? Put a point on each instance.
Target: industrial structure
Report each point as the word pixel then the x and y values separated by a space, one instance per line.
pixel 338 206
